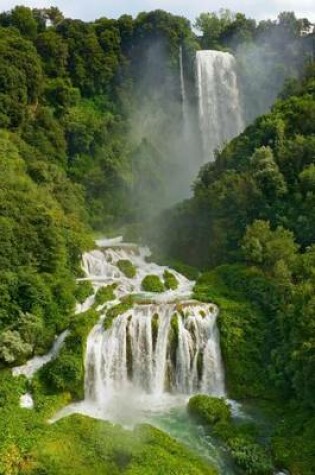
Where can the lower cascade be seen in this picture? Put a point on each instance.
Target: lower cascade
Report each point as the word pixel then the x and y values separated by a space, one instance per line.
pixel 156 348
pixel 156 352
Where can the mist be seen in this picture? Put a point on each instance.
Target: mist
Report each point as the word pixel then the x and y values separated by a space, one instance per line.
pixel 165 154
pixel 274 57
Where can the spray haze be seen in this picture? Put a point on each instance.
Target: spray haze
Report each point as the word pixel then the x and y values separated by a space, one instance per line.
pixel 165 155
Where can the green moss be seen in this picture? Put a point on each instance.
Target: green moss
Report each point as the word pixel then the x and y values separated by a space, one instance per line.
pixel 200 364
pixel 155 328
pixel 127 268
pixel 209 410
pixel 129 352
pixel 125 305
pixel 152 283
pixel 83 290
pixel 173 338
pixel 105 294
pixel 170 281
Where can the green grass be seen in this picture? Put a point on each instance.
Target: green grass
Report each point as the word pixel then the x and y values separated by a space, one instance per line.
pixel 80 445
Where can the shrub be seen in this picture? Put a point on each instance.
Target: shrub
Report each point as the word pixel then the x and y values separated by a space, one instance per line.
pixel 240 439
pixel 170 280
pixel 209 410
pixel 152 283
pixel 83 290
pixel 105 294
pixel 127 268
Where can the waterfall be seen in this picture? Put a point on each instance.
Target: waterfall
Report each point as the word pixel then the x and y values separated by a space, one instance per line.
pixel 165 343
pixel 157 349
pixel 183 93
pixel 220 111
pixel 154 354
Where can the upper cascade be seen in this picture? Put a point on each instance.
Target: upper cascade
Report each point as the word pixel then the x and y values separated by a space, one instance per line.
pixel 220 110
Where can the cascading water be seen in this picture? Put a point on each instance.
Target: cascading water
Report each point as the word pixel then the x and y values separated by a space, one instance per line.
pixel 156 353
pixel 185 110
pixel 220 111
pixel 164 344
pixel 156 348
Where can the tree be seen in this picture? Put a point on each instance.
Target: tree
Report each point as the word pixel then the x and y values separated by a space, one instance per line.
pixel 269 250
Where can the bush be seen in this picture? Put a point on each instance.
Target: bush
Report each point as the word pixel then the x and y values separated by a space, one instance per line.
pixel 209 410
pixel 170 280
pixel 105 294
pixel 83 290
pixel 66 372
pixel 127 268
pixel 152 283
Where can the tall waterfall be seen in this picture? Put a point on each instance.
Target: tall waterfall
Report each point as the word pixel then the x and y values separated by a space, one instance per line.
pixel 220 111
pixel 183 91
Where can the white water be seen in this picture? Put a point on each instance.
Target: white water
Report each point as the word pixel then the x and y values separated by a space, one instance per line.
pixel 185 109
pixel 220 111
pixel 156 354
pixel 34 364
pixel 26 401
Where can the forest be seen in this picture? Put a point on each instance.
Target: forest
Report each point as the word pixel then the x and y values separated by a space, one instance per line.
pixel 90 143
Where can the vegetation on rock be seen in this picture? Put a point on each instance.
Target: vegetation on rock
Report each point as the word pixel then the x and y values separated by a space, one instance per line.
pixel 170 281
pixel 127 268
pixel 152 283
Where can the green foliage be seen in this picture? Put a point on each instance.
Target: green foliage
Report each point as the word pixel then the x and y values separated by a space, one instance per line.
pixel 242 333
pixel 152 283
pixel 83 290
pixel 240 439
pixel 105 294
pixel 170 281
pixel 66 372
pixel 209 410
pixel 12 348
pixel 127 268
pixel 117 310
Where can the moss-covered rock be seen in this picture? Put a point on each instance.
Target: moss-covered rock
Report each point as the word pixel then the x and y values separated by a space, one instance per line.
pixel 152 283
pixel 173 338
pixel 105 294
pixel 155 328
pixel 127 268
pixel 210 410
pixel 170 281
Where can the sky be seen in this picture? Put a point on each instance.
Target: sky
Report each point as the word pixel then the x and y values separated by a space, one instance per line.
pixel 92 9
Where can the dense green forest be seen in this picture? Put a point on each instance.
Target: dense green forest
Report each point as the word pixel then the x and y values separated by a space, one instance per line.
pixel 81 151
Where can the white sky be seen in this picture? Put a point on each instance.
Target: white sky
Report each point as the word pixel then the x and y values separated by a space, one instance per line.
pixel 91 9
